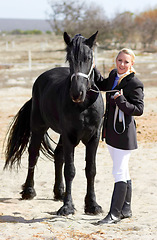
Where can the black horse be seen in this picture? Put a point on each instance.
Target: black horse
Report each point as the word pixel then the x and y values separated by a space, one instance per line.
pixel 66 100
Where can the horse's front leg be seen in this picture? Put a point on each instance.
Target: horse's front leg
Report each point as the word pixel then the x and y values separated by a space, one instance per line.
pixel 28 187
pixel 69 173
pixel 59 160
pixel 91 206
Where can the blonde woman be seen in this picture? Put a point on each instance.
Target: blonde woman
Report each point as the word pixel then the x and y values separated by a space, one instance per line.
pixel 124 99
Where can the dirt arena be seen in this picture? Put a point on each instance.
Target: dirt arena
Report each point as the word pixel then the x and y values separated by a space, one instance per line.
pixel 37 219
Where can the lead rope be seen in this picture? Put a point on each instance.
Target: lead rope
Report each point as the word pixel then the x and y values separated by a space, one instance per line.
pixel 121 118
pixel 109 91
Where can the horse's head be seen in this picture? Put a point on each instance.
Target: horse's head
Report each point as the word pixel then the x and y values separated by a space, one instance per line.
pixel 80 58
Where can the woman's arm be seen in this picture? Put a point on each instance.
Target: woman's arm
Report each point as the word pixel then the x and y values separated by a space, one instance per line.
pixel 135 105
pixel 100 82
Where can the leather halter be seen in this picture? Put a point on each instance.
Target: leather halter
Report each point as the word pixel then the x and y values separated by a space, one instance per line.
pixel 87 76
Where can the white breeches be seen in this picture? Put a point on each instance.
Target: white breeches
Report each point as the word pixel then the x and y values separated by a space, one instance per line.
pixel 120 163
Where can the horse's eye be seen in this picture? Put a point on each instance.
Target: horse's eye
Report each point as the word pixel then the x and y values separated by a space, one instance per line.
pixel 88 58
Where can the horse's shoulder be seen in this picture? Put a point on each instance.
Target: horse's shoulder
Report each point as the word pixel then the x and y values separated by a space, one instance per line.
pixel 55 72
pixel 51 77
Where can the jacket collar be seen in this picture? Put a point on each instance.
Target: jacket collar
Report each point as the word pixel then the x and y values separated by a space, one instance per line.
pixel 124 81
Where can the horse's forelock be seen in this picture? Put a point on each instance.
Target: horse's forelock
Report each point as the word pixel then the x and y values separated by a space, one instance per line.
pixel 77 44
pixel 77 36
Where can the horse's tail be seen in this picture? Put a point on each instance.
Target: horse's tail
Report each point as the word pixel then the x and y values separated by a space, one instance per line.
pixel 46 147
pixel 18 135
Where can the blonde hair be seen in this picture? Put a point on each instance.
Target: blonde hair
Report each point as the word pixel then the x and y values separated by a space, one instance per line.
pixel 131 53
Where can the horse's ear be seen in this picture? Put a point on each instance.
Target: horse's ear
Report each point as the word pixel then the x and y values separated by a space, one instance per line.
pixel 90 41
pixel 67 38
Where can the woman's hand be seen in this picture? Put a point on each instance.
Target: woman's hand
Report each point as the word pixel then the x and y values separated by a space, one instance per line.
pixel 117 94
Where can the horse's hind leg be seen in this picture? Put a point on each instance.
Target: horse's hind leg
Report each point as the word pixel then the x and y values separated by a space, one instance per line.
pixel 59 160
pixel 28 188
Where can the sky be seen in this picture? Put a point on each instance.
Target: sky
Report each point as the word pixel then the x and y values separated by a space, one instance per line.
pixel 36 9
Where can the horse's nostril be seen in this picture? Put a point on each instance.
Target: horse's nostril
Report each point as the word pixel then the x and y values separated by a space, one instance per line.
pixel 81 93
pixel 78 97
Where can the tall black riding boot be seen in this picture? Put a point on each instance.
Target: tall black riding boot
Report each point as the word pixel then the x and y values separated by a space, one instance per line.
pixel 126 210
pixel 118 198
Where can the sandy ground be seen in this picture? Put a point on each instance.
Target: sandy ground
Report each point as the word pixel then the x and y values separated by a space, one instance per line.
pixel 37 219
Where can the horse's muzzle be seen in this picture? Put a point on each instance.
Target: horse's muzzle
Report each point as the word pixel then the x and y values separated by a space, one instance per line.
pixel 78 98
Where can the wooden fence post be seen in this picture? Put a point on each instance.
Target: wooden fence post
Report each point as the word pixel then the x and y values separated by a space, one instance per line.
pixel 29 60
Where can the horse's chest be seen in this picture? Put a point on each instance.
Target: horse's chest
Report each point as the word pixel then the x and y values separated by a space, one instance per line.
pixel 84 119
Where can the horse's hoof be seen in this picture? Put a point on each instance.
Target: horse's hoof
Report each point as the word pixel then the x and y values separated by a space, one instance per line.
pixel 93 210
pixel 66 210
pixel 28 193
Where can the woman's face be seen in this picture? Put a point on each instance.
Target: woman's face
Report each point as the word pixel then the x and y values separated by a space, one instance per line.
pixel 123 62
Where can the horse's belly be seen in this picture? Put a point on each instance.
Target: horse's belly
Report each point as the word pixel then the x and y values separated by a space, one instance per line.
pixel 50 115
